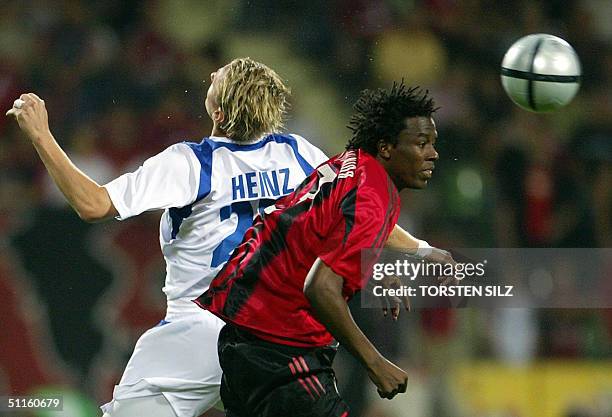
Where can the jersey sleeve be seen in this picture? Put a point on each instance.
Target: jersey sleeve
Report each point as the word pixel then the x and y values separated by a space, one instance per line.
pixel 363 224
pixel 168 179
pixel 313 155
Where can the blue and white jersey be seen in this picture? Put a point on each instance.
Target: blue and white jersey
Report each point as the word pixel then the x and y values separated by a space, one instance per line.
pixel 210 192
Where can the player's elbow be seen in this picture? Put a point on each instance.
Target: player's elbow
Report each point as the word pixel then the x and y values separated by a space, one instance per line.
pixel 90 215
pixel 90 218
pixel 97 207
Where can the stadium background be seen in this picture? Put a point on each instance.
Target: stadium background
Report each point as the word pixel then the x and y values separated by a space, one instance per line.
pixel 122 80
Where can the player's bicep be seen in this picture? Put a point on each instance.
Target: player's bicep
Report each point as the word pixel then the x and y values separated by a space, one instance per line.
pixel 322 280
pixel 169 179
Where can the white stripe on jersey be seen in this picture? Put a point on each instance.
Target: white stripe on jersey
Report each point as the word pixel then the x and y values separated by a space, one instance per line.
pixel 210 192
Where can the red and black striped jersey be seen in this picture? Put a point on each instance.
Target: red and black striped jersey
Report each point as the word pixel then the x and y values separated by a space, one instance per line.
pixel 346 205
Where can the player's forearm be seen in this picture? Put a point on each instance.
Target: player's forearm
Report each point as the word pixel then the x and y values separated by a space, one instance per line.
pixel 400 239
pixel 87 198
pixel 324 291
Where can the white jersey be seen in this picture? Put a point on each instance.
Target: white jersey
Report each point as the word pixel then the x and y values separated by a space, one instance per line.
pixel 210 192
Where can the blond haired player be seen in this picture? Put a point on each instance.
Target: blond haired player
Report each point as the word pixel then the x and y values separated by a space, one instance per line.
pixel 210 192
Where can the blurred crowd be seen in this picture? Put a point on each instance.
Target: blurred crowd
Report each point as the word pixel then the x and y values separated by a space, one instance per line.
pixel 122 80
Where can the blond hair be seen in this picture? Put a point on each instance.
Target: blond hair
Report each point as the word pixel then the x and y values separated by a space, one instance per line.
pixel 254 100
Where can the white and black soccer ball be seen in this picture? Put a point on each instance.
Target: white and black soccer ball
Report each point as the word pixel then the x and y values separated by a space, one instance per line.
pixel 541 72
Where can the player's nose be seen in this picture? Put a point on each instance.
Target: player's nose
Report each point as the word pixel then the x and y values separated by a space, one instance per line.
pixel 433 156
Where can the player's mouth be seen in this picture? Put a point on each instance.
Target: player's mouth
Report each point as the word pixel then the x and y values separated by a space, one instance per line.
pixel 427 173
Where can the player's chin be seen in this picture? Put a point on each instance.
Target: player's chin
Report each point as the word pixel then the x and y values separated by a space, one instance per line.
pixel 417 184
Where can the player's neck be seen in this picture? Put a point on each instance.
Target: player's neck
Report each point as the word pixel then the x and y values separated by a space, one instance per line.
pixel 396 180
pixel 218 132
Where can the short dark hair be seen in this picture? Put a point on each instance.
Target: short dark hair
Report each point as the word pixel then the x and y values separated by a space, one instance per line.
pixel 380 115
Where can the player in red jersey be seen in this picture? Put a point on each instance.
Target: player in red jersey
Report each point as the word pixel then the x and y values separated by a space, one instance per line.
pixel 283 292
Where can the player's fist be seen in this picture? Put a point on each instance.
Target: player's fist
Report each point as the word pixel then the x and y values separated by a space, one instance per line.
pixel 388 378
pixel 30 112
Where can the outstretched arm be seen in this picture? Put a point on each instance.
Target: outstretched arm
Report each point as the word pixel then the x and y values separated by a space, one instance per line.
pixel 90 201
pixel 401 240
pixel 323 288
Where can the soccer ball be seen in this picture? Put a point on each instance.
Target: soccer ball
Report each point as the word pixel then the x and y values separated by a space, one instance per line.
pixel 541 72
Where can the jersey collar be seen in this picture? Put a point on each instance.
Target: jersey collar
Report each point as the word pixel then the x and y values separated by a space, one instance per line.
pixel 228 140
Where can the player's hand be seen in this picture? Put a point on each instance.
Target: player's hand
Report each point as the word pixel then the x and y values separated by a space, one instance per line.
pixel 388 378
pixel 444 257
pixel 30 112
pixel 440 256
pixel 392 302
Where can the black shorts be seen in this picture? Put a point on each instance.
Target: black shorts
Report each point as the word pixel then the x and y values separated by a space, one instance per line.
pixel 264 379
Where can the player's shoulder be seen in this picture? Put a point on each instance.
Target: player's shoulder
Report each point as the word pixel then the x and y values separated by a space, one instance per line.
pixel 366 159
pixel 213 143
pixel 202 150
pixel 355 160
pixel 287 138
pixel 186 152
pixel 369 166
pixel 203 146
pixel 359 169
pixel 295 137
pixel 375 181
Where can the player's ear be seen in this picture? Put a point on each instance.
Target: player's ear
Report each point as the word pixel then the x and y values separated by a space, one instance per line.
pixel 384 149
pixel 218 116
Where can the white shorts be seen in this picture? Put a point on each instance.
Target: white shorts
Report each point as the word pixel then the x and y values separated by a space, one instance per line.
pixel 177 358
